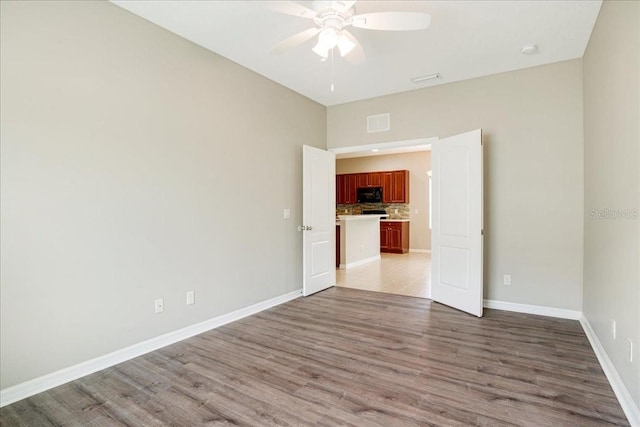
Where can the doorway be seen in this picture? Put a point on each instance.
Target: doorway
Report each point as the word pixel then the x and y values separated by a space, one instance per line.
pixel 402 274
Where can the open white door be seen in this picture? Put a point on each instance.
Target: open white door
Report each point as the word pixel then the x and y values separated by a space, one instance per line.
pixel 319 220
pixel 456 236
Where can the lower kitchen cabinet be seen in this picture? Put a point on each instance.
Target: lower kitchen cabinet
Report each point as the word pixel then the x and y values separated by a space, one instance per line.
pixel 394 236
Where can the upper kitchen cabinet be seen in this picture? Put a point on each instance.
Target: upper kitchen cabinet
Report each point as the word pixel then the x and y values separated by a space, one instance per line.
pixel 395 186
pixel 370 179
pixel 346 186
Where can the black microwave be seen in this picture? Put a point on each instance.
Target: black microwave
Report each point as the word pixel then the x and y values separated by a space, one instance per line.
pixel 369 195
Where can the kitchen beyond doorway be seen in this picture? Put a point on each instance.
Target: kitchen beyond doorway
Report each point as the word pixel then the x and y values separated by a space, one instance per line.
pixel 402 274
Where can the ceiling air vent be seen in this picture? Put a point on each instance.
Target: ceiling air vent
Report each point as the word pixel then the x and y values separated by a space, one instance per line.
pixel 379 123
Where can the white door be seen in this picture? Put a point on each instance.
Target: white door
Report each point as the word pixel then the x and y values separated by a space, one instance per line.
pixel 456 237
pixel 319 220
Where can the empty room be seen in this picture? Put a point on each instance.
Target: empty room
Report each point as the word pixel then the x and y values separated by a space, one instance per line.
pixel 178 200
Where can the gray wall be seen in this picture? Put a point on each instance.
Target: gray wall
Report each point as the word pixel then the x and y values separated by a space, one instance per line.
pixel 612 182
pixel 136 165
pixel 417 163
pixel 533 151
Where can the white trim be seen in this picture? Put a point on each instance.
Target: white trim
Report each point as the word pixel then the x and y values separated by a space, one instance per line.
pixel 37 385
pixel 629 407
pixel 420 251
pixel 540 310
pixel 384 145
pixel 360 262
pixel 624 397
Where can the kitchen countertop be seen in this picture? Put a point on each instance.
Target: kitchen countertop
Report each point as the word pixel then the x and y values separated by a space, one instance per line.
pixel 360 217
pixel 364 217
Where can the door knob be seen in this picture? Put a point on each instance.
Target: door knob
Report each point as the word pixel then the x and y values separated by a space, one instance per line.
pixel 304 228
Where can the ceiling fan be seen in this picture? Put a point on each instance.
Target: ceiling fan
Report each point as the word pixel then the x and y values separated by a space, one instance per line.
pixel 331 19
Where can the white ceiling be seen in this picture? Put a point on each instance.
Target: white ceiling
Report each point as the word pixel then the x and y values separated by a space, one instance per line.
pixel 466 39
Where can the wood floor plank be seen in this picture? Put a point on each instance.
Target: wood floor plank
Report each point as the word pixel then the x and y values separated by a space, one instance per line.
pixel 346 357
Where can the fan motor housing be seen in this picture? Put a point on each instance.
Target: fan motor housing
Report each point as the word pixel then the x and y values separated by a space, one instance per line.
pixel 329 17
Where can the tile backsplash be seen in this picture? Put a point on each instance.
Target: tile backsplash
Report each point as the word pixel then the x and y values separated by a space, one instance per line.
pixel 394 210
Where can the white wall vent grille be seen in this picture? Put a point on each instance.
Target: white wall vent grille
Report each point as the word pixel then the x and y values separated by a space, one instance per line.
pixel 379 123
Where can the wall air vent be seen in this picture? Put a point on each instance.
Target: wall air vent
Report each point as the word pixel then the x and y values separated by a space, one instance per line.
pixel 379 123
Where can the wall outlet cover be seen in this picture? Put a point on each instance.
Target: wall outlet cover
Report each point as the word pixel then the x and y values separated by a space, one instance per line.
pixel 159 305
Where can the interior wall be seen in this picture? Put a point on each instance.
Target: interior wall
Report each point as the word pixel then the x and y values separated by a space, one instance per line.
pixel 136 165
pixel 612 185
pixel 533 165
pixel 418 164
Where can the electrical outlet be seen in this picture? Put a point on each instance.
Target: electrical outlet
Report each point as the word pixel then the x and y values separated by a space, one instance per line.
pixel 361 248
pixel 507 279
pixel 630 351
pixel 613 328
pixel 191 298
pixel 159 305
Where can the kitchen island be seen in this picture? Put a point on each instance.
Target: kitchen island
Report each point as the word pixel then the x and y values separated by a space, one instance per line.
pixel 359 239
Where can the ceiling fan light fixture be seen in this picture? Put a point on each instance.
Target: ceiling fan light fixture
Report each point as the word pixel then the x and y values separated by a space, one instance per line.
pixel 327 40
pixel 345 45
pixel 321 50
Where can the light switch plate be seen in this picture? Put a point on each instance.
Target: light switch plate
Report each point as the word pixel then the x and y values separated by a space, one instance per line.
pixel 287 213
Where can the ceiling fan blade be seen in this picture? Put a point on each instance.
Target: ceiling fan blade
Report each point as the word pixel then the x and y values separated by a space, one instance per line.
pixel 289 8
pixel 356 56
pixel 295 40
pixel 342 5
pixel 392 21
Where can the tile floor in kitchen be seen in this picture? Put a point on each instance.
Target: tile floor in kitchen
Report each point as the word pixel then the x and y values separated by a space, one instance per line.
pixel 402 274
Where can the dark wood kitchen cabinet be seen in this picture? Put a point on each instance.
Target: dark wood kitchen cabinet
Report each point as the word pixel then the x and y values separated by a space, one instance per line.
pixel 339 189
pixel 346 189
pixel 395 186
pixel 362 180
pixel 369 179
pixel 394 236
pixel 375 179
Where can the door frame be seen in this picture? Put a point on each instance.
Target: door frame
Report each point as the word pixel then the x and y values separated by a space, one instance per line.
pixel 407 144
pixel 403 146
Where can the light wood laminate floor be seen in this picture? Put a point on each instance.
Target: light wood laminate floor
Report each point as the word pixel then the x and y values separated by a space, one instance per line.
pixel 401 274
pixel 347 357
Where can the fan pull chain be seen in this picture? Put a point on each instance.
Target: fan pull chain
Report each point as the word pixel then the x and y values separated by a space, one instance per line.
pixel 332 86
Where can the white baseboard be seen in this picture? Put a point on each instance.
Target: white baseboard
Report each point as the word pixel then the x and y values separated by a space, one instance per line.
pixel 629 407
pixel 540 310
pixel 359 262
pixel 37 385
pixel 54 379
pixel 622 394
pixel 420 251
